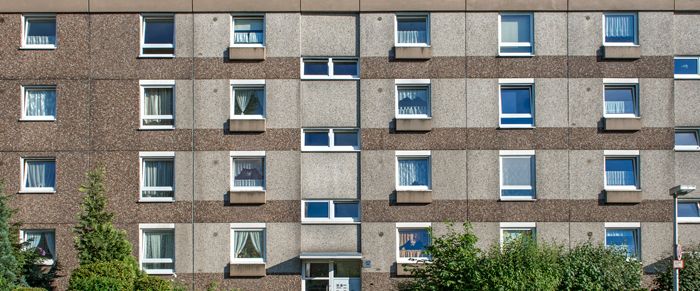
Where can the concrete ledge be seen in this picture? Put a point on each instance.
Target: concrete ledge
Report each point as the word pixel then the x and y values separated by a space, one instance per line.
pixel 627 5
pixel 44 6
pixel 687 5
pixel 246 125
pixel 622 52
pixel 330 5
pixel 414 197
pixel 247 197
pixel 623 124
pixel 413 53
pixel 411 5
pixel 246 53
pixel 623 197
pixel 246 270
pixel 245 6
pixel 414 124
pixel 404 270
pixel 140 6
pixel 516 5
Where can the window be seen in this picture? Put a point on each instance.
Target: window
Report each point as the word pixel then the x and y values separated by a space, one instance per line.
pixel 621 170
pixel 517 175
pixel 625 237
pixel 157 176
pixel 333 275
pixel 413 99
pixel 516 102
pixel 412 239
pixel 620 29
pixel 687 139
pixel 39 31
pixel 412 30
pixel 515 230
pixel 248 171
pixel 248 99
pixel 332 139
pixel 38 175
pixel 413 170
pixel 157 35
pixel 621 98
pixel 39 103
pixel 330 211
pixel 43 241
pixel 689 211
pixel 248 31
pixel 157 104
pixel 248 243
pixel 516 34
pixel 330 68
pixel 157 252
pixel 686 67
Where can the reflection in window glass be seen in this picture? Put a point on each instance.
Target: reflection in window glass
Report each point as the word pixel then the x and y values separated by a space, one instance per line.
pixel 626 240
pixel 318 270
pixel 40 31
pixel 248 172
pixel 44 241
pixel 414 171
pixel 345 138
pixel 248 101
pixel 414 100
pixel 347 209
pixel 317 209
pixel 412 29
pixel 689 209
pixel 518 175
pixel 516 105
pixel 510 235
pixel 345 68
pixel 315 68
pixel 686 138
pixel 620 28
pixel 620 99
pixel 620 172
pixel 682 66
pixel 248 30
pixel 413 242
pixel 316 138
pixel 347 269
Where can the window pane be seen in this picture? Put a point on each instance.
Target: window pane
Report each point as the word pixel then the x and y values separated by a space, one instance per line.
pixel 43 241
pixel 620 100
pixel 347 209
pixel 248 101
pixel 315 68
pixel 318 270
pixel 516 101
pixel 515 28
pixel 159 244
pixel 248 172
pixel 158 173
pixel 620 28
pixel 513 234
pixel 40 174
pixel 40 102
pixel 347 269
pixel 412 242
pixel 517 171
pixel 159 31
pixel 247 31
pixel 686 138
pixel 249 244
pixel 412 30
pixel 413 100
pixel 41 31
pixel 413 171
pixel 516 49
pixel 319 138
pixel 685 66
pixel 317 209
pixel 688 209
pixel 620 172
pixel 344 68
pixel 158 101
pixel 317 285
pixel 158 266
pixel 345 138
pixel 623 239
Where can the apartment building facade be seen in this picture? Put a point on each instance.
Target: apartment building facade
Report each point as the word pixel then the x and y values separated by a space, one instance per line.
pixel 287 145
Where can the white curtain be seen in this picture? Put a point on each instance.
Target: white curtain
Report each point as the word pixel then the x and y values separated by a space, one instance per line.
pixel 242 237
pixel 615 107
pixel 517 171
pixel 40 102
pixel 41 174
pixel 50 243
pixel 413 172
pixel 41 32
pixel 412 31
pixel 248 172
pixel 619 26
pixel 515 28
pixel 620 178
pixel 248 31
pixel 158 174
pixel 248 101
pixel 33 238
pixel 159 245
pixel 158 101
pixel 413 101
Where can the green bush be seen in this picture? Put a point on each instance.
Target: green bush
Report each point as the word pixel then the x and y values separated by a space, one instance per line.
pixel 113 275
pixel 152 283
pixel 29 289
pixel 595 267
pixel 689 276
pixel 10 270
pixel 521 264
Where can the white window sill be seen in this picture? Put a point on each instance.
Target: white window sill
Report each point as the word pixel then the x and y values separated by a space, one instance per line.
pixel 525 199
pixel 330 78
pixel 37 119
pixel 417 45
pixel 414 117
pixel 686 76
pixel 688 219
pixel 622 189
pixel 516 126
pixel 686 149
pixel 413 261
pixel 156 200
pixel 624 44
pixel 247 262
pixel 628 116
pixel 38 191
pixel 307 150
pixel 252 189
pixel 415 189
pixel 142 56
pixel 38 47
pixel 256 45
pixel 160 272
pixel 329 222
pixel 516 55
pixel 145 128
pixel 243 117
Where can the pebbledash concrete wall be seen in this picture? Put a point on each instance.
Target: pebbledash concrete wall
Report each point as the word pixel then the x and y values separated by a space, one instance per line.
pixel 97 70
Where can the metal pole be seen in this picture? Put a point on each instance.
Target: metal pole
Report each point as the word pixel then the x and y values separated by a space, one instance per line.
pixel 675 241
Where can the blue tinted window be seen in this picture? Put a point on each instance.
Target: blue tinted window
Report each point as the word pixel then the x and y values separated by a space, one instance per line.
pixel 317 209
pixel 620 172
pixel 626 240
pixel 516 100
pixel 345 138
pixel 686 138
pixel 159 31
pixel 41 31
pixel 345 68
pixel 620 100
pixel 620 28
pixel 412 30
pixel 688 209
pixel 685 66
pixel 319 138
pixel 347 209
pixel 315 68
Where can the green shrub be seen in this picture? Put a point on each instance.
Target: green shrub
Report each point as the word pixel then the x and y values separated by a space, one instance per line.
pixel 29 289
pixel 10 270
pixel 689 276
pixel 152 283
pixel 595 267
pixel 113 275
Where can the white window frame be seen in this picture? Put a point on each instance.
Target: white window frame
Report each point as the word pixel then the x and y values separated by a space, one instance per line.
pixel 331 272
pixel 687 76
pixel 142 20
pixel 624 225
pixel 155 227
pixel 502 44
pixel 248 227
pixel 622 154
pixel 533 187
pixel 331 141
pixel 687 148
pixel 416 15
pixel 23 239
pixel 24 89
pixel 399 155
pixel 409 226
pixel 425 83
pixel 247 16
pixel 143 156
pixel 516 83
pixel 248 84
pixel 331 213
pixel 23 171
pixel 242 155
pixel 329 63
pixel 143 84
pixel 636 29
pixel 504 226
pixel 615 82
pixel 689 219
pixel 25 20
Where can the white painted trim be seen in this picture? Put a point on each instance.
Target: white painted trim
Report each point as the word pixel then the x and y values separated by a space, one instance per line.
pixel 142 36
pixel 243 155
pixel 329 62
pixel 156 226
pixel 340 257
pixel 621 152
pixel 688 219
pixel 143 84
pixel 518 224
pixel 533 180
pixel 412 84
pixel 23 102
pixel 412 153
pixel 636 30
pixel 247 82
pixel 413 224
pixel 232 21
pixel 23 176
pixel 530 44
pixel 620 81
pixel 22 239
pixel 414 15
pixel 331 147
pixel 157 82
pixel 247 153
pixel 157 154
pixel 397 244
pixel 517 81
pixel 23 34
pixel 412 81
pixel 248 225
pixel 516 152
pixel 622 225
pixel 331 219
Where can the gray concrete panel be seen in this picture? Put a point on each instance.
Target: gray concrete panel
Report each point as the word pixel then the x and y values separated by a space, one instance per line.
pixel 550 33
pixel 483 175
pixel 329 175
pixel 330 238
pixel 482 34
pixel 329 35
pixel 482 103
pixel 329 103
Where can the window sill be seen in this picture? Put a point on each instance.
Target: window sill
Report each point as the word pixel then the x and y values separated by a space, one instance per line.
pixel 156 128
pixel 326 78
pixel 332 222
pixel 510 55
pixel 517 199
pixel 156 56
pixel 622 189
pixel 36 192
pixel 160 272
pixel 146 200
pixel 686 77
pixel 36 120
pixel 47 48
pixel 689 149
pixel 504 126
pixel 329 151
pixel 237 45
pixel 689 220
pixel 409 45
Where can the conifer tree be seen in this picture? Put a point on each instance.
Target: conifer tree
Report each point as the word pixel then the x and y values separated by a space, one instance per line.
pixel 9 266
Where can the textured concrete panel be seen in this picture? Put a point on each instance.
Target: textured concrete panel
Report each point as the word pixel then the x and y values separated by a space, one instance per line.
pixel 140 6
pixel 552 170
pixel 213 99
pixel 329 175
pixel 685 34
pixel 449 106
pixel 482 103
pixel 377 102
pixel 656 102
pixel 449 175
pixel 283 248
pixel 44 6
pixel 585 33
pixel 183 104
pixel 447 34
pixel 587 174
pixel 245 6
pixel 183 176
pixel 585 102
pixel 329 103
pixel 212 175
pixel 435 68
pixel 687 168
pixel 219 211
pixel 686 93
pixel 183 35
pixel 183 247
pixel 378 186
pixel 551 102
pixel 488 234
pixel 516 5
pixel 212 247
pixel 624 5
pixel 330 6
pixel 553 233
pixel 482 34
pixel 283 175
pixel 379 245
pixel 282 103
pixel 212 34
pixel 657 243
pixel 330 238
pixel 656 174
pixel 582 232
pixel 411 5
pixel 282 35
pixel 329 35
pixel 550 34
pixel 371 26
pixel 281 139
pixel 654 33
pixel 689 234
pixel 483 175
